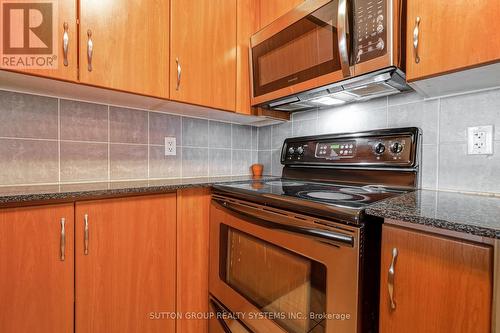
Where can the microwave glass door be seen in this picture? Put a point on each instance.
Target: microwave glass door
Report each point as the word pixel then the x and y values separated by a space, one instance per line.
pixel 285 286
pixel 303 50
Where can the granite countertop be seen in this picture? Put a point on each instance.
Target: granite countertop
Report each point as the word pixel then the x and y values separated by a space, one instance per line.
pixel 11 196
pixel 477 215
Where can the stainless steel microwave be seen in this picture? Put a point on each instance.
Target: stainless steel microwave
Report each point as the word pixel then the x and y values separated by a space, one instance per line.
pixel 329 52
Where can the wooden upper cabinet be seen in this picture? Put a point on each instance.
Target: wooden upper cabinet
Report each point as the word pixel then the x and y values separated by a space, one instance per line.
pixel 130 45
pixel 452 35
pixel 248 24
pixel 36 285
pixel 203 53
pixel 439 284
pixel 271 10
pixel 126 279
pixel 66 23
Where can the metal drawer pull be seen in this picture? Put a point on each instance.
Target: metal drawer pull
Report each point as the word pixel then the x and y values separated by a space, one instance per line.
pixel 390 278
pixel 86 234
pixel 178 73
pixel 63 239
pixel 90 49
pixel 416 33
pixel 65 44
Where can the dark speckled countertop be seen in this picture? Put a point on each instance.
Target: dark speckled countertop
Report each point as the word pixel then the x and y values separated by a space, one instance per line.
pixel 12 196
pixel 477 215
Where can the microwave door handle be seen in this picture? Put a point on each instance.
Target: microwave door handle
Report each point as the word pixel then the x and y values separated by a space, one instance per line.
pixel 256 217
pixel 342 26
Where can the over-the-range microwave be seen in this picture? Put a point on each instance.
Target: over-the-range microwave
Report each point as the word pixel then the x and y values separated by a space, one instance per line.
pixel 329 52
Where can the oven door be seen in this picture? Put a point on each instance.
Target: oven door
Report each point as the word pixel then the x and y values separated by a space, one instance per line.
pixel 283 272
pixel 306 48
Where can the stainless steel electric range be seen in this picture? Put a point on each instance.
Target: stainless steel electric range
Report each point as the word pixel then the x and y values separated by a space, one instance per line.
pixel 298 254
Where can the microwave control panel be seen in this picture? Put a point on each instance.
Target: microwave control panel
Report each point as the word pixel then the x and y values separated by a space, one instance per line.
pixel 370 27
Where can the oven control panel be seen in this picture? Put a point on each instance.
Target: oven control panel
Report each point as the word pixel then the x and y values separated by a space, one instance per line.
pixel 370 27
pixel 336 149
pixel 391 149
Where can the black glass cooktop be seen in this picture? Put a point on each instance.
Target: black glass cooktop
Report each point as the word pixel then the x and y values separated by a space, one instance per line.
pixel 341 199
pixel 326 193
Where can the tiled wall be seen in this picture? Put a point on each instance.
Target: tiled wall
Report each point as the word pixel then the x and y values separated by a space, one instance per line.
pixel 445 162
pixel 50 140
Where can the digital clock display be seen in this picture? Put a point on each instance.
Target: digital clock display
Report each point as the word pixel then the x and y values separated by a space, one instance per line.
pixel 336 150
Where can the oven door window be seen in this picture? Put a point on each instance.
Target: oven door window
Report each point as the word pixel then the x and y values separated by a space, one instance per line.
pixel 285 286
pixel 304 50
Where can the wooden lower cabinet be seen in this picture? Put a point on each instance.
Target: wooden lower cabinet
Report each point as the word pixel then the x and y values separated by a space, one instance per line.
pixel 440 284
pixel 193 210
pixel 127 278
pixel 36 285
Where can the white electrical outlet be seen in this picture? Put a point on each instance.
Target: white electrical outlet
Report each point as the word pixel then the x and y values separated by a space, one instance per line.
pixel 170 146
pixel 480 140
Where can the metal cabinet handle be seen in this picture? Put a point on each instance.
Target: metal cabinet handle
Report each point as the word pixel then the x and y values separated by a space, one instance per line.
pixel 416 33
pixel 86 234
pixel 390 278
pixel 343 26
pixel 65 44
pixel 178 73
pixel 63 239
pixel 90 49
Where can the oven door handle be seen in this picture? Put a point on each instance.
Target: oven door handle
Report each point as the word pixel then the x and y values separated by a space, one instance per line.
pixel 271 220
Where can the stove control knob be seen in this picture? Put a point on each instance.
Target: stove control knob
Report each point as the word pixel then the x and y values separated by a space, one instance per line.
pixel 300 150
pixel 396 147
pixel 291 151
pixel 379 148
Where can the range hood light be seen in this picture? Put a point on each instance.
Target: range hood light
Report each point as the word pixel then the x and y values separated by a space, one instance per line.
pixel 328 101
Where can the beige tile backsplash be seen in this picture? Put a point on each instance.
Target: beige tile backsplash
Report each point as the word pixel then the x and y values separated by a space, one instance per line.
pixel 45 140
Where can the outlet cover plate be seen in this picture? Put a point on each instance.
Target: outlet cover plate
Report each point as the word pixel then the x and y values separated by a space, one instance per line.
pixel 170 146
pixel 480 140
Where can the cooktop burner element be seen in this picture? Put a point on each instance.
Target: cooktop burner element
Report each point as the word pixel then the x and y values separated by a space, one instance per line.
pixel 322 176
pixel 329 197
pixel 282 183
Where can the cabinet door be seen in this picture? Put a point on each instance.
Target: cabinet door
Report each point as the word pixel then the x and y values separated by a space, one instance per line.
pixel 126 279
pixel 203 53
pixel 271 10
pixel 452 35
pixel 440 284
pixel 36 284
pixel 66 18
pixel 130 45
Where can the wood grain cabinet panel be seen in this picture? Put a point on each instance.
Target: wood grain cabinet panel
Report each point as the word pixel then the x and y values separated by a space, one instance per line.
pixel 452 35
pixel 66 14
pixel 203 53
pixel 271 10
pixel 193 209
pixel 127 279
pixel 440 284
pixel 248 24
pixel 36 286
pixel 130 45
